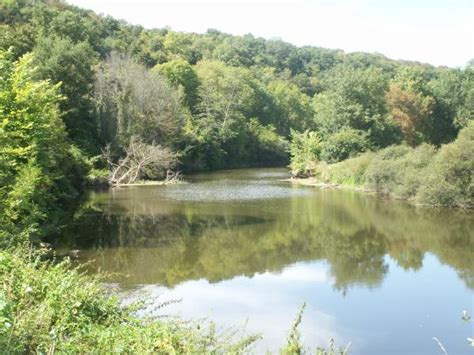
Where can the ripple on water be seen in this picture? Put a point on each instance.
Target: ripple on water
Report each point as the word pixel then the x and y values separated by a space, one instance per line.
pixel 231 191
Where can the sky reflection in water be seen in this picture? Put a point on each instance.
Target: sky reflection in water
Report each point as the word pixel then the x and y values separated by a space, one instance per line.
pixel 244 245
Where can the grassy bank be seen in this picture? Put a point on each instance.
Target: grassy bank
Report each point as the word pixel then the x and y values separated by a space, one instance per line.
pixel 54 308
pixel 423 175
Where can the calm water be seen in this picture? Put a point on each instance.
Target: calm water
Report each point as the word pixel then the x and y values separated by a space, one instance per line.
pixel 244 247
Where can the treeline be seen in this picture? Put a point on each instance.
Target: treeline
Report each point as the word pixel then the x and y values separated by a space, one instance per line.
pixel 83 94
pixel 220 101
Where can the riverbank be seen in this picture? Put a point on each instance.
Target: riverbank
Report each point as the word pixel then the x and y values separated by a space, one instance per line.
pixel 313 182
pixel 52 307
pixel 423 175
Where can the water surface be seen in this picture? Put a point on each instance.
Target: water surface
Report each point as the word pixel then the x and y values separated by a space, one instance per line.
pixel 245 247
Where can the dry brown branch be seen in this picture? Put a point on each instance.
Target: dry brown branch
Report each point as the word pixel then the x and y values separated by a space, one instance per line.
pixel 140 159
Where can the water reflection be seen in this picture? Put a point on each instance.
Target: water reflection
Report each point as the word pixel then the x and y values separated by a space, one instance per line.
pixel 156 240
pixel 245 245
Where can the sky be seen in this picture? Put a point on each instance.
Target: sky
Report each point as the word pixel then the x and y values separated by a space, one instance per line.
pixel 439 32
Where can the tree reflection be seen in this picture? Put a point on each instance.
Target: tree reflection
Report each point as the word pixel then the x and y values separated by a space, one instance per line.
pixel 354 233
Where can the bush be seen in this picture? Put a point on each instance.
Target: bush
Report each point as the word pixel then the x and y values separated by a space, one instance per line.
pixel 305 149
pixel 449 181
pixel 397 170
pixel 344 144
pixel 349 172
pixel 423 174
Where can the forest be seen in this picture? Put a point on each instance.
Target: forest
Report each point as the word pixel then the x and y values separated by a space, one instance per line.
pixel 88 100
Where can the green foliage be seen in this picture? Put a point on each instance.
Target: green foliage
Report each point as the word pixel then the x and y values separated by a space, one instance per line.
pixel 293 345
pixel 52 307
pixel 398 170
pixel 62 61
pixel 355 98
pixel 423 174
pixel 225 94
pixel 343 144
pixel 305 149
pixel 223 132
pixel 269 148
pixel 294 106
pixel 22 210
pixel 180 73
pixel 40 172
pixel 450 178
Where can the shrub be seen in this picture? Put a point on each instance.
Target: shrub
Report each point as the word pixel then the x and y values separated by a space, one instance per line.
pixel 305 149
pixel 294 345
pixel 344 144
pixel 397 170
pixel 424 174
pixel 449 181
pixel 348 172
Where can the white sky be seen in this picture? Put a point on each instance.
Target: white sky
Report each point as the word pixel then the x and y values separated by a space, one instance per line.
pixel 439 32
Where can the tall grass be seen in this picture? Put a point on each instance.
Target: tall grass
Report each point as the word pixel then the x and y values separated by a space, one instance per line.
pixel 54 308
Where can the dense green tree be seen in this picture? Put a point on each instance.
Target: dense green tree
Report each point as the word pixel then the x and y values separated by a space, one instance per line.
pixel 62 61
pixel 225 100
pixel 19 39
pixel 294 107
pixel 180 45
pixel 355 98
pixel 39 171
pixel 243 51
pixel 181 74
pixel 453 94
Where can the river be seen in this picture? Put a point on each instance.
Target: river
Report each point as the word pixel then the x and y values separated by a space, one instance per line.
pixel 245 248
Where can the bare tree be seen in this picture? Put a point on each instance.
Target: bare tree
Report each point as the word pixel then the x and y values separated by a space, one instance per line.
pixel 139 159
pixel 132 100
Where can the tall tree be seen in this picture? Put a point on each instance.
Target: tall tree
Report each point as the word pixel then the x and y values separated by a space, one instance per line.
pixel 39 170
pixel 410 110
pixel 71 65
pixel 180 73
pixel 131 100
